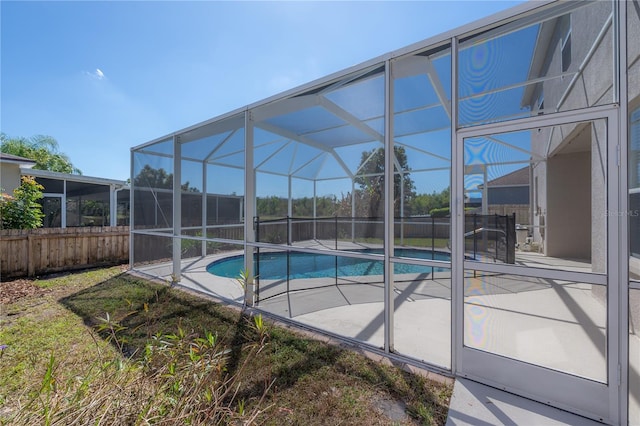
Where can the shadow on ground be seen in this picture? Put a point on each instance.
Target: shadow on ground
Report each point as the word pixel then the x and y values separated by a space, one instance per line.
pixel 307 377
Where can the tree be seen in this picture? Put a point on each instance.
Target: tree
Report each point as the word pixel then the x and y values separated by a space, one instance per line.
pixel 423 204
pixel 22 211
pixel 370 195
pixel 271 206
pixel 43 149
pixel 159 179
pixel 153 178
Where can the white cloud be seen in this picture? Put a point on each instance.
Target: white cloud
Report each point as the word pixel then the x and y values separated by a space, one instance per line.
pixel 97 74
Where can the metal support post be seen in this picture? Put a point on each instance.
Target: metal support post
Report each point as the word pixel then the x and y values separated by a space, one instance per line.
pixel 249 208
pixel 177 210
pixel 204 208
pixel 131 212
pixel 388 209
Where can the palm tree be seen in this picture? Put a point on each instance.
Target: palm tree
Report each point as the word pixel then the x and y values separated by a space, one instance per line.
pixel 41 148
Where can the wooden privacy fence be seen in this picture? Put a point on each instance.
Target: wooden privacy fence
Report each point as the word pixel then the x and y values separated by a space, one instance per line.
pixel 46 250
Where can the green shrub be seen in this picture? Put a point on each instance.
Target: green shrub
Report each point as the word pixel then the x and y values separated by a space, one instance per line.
pixel 446 212
pixel 22 211
pixel 440 212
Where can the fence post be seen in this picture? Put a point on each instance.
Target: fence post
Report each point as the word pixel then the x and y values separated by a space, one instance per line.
pixel 475 236
pixel 511 226
pixel 496 234
pixel 336 245
pixel 336 231
pixel 31 267
pixel 433 236
pixel 256 227
pixel 433 245
pixel 506 238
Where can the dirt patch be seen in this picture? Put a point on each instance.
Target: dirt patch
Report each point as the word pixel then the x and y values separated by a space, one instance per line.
pixel 12 291
pixel 394 409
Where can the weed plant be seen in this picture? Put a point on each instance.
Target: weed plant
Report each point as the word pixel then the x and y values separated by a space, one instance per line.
pixel 106 348
pixel 178 378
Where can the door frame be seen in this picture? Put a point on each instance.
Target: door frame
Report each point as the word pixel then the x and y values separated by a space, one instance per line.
pixel 594 399
pixel 63 205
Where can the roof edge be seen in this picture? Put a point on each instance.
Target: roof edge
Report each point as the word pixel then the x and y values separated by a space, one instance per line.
pixel 71 177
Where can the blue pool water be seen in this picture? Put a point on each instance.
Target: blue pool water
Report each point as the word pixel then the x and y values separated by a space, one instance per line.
pixel 273 266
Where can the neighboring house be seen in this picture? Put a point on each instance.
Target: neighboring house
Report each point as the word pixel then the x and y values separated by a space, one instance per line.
pixel 510 194
pixel 88 201
pixel 10 171
pixel 76 200
pixel 94 201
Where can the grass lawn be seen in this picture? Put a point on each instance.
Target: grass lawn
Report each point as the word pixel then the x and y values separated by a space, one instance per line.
pixel 104 347
pixel 425 243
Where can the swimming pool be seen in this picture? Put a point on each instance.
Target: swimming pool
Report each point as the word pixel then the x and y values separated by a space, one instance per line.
pixel 273 265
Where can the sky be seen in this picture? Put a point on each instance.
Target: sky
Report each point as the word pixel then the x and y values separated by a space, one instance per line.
pixel 102 77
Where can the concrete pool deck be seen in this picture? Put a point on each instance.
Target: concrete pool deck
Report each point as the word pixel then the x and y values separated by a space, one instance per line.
pixel 474 404
pixel 558 325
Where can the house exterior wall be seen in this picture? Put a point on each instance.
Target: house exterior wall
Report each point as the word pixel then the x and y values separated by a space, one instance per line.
pixel 599 216
pixel 592 87
pixel 508 195
pixel 566 177
pixel 9 177
pixel 633 34
pixel 633 76
pixel 633 90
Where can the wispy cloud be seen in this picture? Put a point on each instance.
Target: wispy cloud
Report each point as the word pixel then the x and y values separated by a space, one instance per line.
pixel 97 74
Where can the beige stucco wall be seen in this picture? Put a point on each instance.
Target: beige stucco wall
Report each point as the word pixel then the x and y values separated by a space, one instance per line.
pixel 571 190
pixel 9 177
pixel 633 75
pixel 599 206
pixel 633 35
pixel 569 206
pixel 595 84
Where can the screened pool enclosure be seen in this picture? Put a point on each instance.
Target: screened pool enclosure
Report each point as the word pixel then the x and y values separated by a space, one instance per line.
pixel 469 203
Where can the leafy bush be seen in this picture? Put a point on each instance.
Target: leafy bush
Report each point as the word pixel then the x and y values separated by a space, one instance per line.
pixel 441 212
pixel 446 212
pixel 22 211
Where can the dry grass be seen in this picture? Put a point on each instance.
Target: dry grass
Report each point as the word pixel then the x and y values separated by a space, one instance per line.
pixel 102 347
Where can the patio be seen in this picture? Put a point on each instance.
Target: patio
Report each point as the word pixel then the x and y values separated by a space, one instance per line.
pixel 558 324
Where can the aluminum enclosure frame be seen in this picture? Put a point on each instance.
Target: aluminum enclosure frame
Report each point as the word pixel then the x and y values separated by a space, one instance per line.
pixel 616 278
